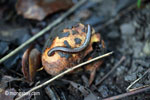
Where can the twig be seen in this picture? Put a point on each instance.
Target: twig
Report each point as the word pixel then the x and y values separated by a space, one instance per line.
pixel 63 73
pixel 116 65
pixel 50 93
pixel 134 89
pixel 137 79
pixel 58 20
pixel 128 94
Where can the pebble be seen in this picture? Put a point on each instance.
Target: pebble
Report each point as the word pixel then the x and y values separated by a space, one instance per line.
pixel 113 35
pixel 137 48
pixel 146 48
pixel 147 32
pixel 120 70
pixel 104 91
pixel 130 78
pixel 127 29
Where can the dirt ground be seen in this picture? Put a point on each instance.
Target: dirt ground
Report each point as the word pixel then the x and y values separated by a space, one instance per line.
pixel 124 27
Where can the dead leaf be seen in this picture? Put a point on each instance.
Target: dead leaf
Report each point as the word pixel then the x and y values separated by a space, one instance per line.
pixel 25 63
pixel 39 9
pixel 92 69
pixel 31 62
pixel 34 62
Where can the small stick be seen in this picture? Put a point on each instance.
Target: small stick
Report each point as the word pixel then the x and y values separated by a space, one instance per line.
pixel 116 65
pixel 128 88
pixel 134 89
pixel 128 94
pixel 50 93
pixel 58 20
pixel 63 73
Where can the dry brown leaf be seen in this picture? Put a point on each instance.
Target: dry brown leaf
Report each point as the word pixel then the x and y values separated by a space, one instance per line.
pixel 31 61
pixel 34 62
pixel 25 63
pixel 92 69
pixel 39 9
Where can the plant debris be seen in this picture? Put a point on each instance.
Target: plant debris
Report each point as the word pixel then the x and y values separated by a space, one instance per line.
pixel 123 26
pixel 31 62
pixel 61 61
pixel 38 10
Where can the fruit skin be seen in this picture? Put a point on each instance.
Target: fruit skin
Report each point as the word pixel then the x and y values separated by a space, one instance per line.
pixel 71 36
pixel 77 41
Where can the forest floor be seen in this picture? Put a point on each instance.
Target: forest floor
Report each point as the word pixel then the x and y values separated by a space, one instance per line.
pixel 124 27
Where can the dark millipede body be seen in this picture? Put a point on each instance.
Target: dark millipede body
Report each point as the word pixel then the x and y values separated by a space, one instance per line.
pixel 73 50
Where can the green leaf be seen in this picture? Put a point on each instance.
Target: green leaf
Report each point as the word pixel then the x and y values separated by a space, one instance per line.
pixel 138 3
